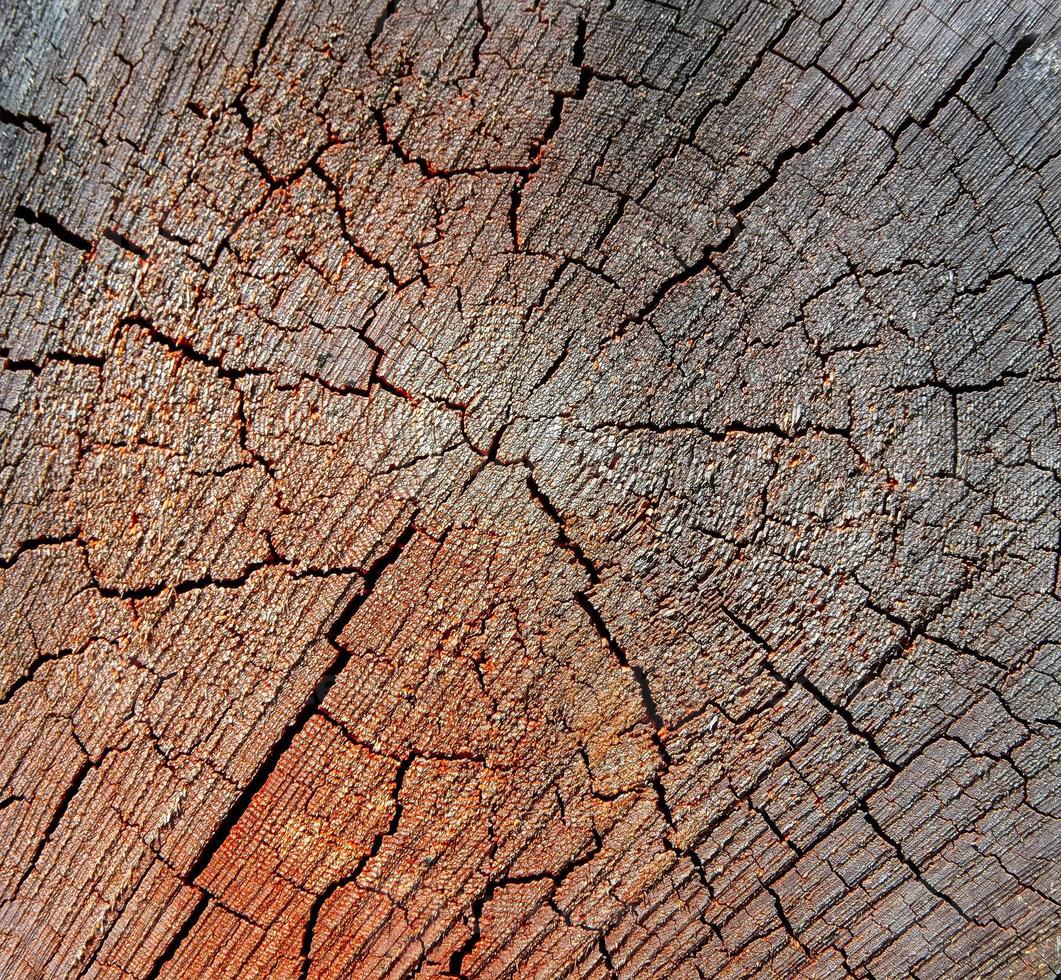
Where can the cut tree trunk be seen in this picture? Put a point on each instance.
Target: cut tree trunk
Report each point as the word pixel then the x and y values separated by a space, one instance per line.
pixel 541 488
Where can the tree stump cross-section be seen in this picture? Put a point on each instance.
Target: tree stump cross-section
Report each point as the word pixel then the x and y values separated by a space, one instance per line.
pixel 530 488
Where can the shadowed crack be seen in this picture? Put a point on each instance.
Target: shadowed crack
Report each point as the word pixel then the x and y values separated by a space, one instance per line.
pixel 556 879
pixel 597 621
pixel 911 867
pixel 268 764
pixel 30 672
pixel 175 943
pixel 45 541
pixel 708 256
pixel 25 120
pixel 339 662
pixel 88 766
pixel 52 224
pixel 897 590
pixel 945 98
pixel 306 952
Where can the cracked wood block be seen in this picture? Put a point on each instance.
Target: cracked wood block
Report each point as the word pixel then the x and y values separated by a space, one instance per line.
pixel 530 489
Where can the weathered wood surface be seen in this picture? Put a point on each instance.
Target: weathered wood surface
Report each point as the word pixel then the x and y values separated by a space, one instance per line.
pixel 530 489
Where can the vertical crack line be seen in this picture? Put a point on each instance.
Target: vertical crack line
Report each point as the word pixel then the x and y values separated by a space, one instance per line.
pixel 536 154
pixel 306 952
pixel 562 538
pixel 263 38
pixel 640 678
pixel 381 22
pixel 786 923
pixel 556 880
pixel 605 955
pixel 53 825
pixel 178 938
pixel 309 707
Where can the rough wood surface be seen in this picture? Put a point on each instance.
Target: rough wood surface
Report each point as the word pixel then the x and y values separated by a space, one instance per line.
pixel 530 488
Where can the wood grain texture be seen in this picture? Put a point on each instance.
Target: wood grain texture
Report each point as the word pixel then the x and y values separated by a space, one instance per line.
pixel 530 488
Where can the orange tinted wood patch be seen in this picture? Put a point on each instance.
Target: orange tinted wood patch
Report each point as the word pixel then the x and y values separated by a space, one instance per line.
pixel 529 489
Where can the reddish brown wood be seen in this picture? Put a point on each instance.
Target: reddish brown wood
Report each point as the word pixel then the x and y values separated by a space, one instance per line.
pixel 526 488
